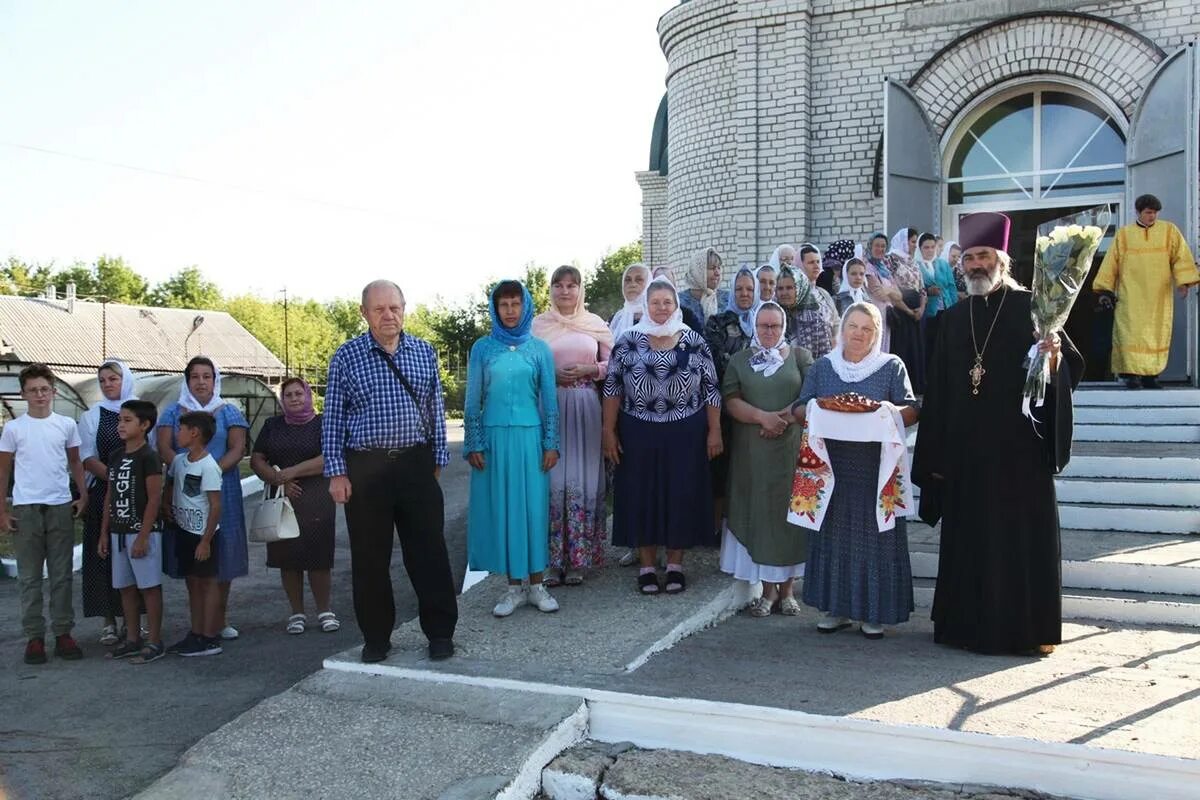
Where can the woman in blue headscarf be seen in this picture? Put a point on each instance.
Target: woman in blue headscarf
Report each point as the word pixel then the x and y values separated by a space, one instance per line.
pixel 511 443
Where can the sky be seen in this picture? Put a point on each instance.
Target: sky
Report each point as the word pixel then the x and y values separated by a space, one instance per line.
pixel 319 145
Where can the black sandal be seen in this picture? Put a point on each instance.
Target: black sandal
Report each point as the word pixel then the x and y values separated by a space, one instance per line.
pixel 648 583
pixel 678 580
pixel 125 649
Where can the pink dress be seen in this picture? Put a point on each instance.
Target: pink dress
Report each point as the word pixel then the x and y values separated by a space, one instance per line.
pixel 578 485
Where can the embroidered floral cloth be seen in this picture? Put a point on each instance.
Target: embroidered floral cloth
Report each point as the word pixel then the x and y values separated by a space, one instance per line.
pixel 813 484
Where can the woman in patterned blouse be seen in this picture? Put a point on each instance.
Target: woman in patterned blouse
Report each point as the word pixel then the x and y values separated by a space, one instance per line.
pixel 662 424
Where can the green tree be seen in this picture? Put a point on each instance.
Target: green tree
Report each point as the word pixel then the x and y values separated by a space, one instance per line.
pixel 347 317
pixel 18 277
pixel 603 285
pixel 119 282
pixel 537 281
pixel 187 288
pixel 79 274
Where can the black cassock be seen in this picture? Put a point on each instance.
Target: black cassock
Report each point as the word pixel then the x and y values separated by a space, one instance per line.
pixel 999 584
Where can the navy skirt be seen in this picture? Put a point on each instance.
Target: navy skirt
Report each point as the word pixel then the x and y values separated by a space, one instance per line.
pixel 662 493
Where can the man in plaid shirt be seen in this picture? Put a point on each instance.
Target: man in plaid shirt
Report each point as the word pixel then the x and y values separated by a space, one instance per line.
pixel 384 440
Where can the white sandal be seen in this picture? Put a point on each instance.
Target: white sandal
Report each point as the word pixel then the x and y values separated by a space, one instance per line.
pixel 329 621
pixel 761 607
pixel 296 624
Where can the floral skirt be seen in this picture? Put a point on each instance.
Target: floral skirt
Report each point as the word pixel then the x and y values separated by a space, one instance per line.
pixel 578 483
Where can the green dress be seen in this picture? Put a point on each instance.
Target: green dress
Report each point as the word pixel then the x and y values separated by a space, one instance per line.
pixel 761 470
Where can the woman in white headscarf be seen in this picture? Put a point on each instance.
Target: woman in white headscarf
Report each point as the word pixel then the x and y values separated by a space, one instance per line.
pixel 907 339
pixel 633 289
pixel 662 425
pixel 952 255
pixel 758 543
pixel 98 441
pixel 784 256
pixel 201 391
pixel 703 277
pixel 854 284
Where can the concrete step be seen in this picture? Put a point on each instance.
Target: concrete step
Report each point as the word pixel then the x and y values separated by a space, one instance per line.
pixel 1139 518
pixel 1104 560
pixel 1088 397
pixel 1134 467
pixel 1129 492
pixel 1137 433
pixel 1137 415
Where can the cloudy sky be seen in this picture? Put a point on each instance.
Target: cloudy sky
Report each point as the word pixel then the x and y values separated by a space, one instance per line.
pixel 318 145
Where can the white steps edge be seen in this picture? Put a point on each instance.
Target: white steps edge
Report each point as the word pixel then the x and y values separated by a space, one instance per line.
pixel 797 740
pixel 1125 398
pixel 1157 415
pixel 1178 434
pixel 1165 494
pixel 1136 520
pixel 1166 468
pixel 1116 576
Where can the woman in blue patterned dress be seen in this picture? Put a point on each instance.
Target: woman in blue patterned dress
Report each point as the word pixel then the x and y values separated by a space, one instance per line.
pixel 856 571
pixel 662 424
pixel 511 443
pixel 201 391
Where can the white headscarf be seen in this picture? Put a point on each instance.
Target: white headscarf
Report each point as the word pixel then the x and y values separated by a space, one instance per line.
pixel 768 360
pixel 758 286
pixel 89 423
pixel 774 259
pixel 633 310
pixel 673 325
pixel 853 372
pixel 192 404
pixel 946 248
pixel 128 384
pixel 858 295
pixel 899 244
pixel 696 278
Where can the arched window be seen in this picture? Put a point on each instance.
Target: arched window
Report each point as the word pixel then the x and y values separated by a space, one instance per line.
pixel 1044 145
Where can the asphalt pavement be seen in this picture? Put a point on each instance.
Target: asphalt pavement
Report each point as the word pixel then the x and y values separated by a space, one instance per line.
pixel 101 729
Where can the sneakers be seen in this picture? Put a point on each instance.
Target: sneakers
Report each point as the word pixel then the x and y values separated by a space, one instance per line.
pixel 831 624
pixel 542 599
pixel 108 636
pixel 201 646
pixel 872 631
pixel 229 633
pixel 512 599
pixel 66 648
pixel 35 651
pixel 186 641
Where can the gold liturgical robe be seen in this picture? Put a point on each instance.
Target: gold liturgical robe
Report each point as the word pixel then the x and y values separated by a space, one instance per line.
pixel 1139 269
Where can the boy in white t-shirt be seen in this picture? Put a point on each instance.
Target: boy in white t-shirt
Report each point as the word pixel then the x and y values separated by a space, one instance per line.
pixel 44 447
pixel 194 484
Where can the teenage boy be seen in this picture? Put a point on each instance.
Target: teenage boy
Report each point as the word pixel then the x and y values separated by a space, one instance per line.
pixel 194 481
pixel 44 447
pixel 129 529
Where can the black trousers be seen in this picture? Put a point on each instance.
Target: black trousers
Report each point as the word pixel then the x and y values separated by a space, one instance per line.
pixel 397 490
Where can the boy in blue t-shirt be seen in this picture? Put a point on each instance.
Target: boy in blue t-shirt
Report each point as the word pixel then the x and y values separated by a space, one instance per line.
pixel 194 481
pixel 131 508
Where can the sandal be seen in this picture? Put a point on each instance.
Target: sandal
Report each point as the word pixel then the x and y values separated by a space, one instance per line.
pixel 573 578
pixel 648 583
pixel 296 624
pixel 126 648
pixel 552 579
pixel 789 607
pixel 151 652
pixel 761 607
pixel 676 582
pixel 329 622
pixel 108 635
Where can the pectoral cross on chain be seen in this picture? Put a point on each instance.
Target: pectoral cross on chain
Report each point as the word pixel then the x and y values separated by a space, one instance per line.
pixel 977 372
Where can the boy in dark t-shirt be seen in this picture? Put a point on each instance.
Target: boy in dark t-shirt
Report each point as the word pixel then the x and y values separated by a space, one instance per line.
pixel 130 529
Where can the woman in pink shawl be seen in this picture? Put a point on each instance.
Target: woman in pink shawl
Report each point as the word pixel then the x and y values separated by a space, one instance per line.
pixel 580 342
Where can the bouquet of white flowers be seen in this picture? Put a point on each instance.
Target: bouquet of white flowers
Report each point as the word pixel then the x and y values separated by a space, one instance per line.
pixel 1062 259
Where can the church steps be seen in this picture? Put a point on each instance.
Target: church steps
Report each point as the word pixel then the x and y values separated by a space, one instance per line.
pixel 1150 519
pixel 1127 491
pixel 1119 432
pixel 1165 468
pixel 1088 397
pixel 1139 415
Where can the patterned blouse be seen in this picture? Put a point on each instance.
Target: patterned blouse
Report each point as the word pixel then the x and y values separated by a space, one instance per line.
pixel 662 385
pixel 907 275
pixel 724 336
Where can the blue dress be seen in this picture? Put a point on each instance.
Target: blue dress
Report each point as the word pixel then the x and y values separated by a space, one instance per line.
pixel 854 569
pixel 511 416
pixel 233 558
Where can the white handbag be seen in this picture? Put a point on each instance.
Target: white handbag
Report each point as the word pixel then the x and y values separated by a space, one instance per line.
pixel 274 519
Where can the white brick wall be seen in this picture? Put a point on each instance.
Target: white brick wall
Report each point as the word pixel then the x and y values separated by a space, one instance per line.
pixel 775 105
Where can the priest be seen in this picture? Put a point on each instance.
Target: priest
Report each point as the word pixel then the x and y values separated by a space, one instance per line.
pixel 985 469
pixel 1146 257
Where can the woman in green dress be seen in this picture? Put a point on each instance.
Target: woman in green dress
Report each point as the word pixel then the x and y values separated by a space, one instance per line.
pixel 758 543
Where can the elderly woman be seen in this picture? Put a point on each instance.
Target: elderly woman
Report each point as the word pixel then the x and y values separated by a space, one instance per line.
pixel 731 330
pixel 806 323
pixel 287 453
pixel 633 288
pixel 662 424
pixel 511 443
pixel 783 256
pixel 201 391
pixel 907 314
pixel 758 543
pixel 855 570
pixel 700 294
pixel 98 439
pixel 690 318
pixel 580 343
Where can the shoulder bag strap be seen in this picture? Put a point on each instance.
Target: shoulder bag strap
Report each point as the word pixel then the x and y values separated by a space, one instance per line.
pixel 407 388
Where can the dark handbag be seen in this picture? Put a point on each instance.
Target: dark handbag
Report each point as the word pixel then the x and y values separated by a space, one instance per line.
pixel 425 427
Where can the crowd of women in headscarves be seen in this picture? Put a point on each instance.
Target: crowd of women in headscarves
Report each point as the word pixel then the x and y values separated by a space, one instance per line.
pixel 689 412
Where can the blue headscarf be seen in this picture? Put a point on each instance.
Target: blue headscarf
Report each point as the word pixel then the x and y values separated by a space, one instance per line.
pixel 880 264
pixel 745 315
pixel 519 334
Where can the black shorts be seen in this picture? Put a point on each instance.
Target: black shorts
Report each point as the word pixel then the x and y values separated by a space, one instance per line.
pixel 185 555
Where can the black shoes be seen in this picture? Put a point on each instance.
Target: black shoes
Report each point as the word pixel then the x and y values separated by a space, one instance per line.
pixel 440 649
pixel 1133 382
pixel 1150 382
pixel 374 653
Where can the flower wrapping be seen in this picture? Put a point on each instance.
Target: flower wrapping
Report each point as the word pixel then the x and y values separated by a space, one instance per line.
pixel 1062 259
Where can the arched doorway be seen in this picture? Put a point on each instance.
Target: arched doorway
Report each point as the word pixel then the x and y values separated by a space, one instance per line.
pixel 1038 151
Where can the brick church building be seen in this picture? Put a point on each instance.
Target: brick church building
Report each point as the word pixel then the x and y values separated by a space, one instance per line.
pixel 815 120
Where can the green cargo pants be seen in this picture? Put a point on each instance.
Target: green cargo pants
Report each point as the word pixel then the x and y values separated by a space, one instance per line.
pixel 45 534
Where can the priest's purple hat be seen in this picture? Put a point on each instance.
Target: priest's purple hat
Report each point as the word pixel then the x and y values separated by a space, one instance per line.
pixel 984 229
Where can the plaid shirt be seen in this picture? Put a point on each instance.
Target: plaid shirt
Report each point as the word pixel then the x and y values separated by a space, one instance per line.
pixel 366 406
